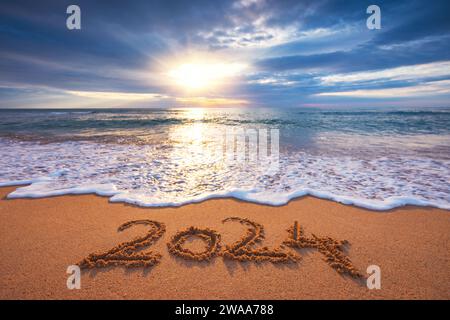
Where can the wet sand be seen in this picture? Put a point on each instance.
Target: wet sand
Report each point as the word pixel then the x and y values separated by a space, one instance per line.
pixel 40 238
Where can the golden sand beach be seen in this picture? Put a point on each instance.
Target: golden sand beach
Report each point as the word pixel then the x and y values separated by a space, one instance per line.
pixel 40 238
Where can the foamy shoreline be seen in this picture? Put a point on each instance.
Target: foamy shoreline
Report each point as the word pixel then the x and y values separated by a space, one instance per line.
pixel 173 157
pixel 117 196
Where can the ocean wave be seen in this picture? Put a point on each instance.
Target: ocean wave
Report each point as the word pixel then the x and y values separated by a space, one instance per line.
pixel 376 160
pixel 69 112
pixel 152 176
pixel 38 189
pixel 48 124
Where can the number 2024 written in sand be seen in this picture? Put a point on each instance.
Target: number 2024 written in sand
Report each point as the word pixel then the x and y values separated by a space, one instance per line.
pixel 245 249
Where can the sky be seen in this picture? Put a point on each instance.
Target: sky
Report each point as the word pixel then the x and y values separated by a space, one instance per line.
pixel 242 53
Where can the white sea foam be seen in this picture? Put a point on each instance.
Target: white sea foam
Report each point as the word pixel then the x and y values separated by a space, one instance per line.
pixel 178 174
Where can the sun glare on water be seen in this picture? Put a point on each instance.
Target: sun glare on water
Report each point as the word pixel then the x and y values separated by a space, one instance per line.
pixel 197 76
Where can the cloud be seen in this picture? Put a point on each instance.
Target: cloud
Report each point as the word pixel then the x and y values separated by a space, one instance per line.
pixel 126 96
pixel 211 102
pixel 363 57
pixel 275 81
pixel 432 88
pixel 412 72
pixel 295 50
pixel 250 37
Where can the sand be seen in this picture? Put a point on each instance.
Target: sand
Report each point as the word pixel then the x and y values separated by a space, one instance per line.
pixel 40 238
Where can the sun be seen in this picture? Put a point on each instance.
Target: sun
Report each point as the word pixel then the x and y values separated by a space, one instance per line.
pixel 203 75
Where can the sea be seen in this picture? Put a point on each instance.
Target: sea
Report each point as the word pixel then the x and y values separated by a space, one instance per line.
pixel 377 159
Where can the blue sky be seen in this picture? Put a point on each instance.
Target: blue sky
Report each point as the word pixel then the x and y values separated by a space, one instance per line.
pixel 240 53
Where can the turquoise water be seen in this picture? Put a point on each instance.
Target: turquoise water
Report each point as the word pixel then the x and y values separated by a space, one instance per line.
pixel 371 158
pixel 48 123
